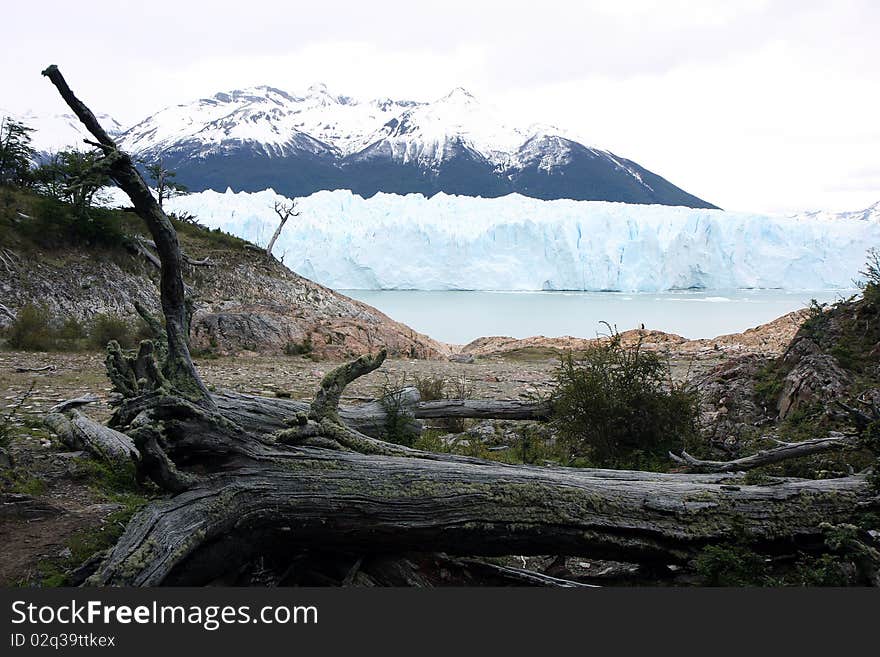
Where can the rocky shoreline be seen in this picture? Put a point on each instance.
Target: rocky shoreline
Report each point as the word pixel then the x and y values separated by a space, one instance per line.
pixel 768 339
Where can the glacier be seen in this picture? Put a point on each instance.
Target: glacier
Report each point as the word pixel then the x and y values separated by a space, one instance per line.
pixel 515 242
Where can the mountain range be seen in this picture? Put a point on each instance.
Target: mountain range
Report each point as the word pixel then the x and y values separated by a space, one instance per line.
pixel 262 137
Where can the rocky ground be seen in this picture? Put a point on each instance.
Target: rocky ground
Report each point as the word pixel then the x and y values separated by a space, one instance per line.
pixel 242 298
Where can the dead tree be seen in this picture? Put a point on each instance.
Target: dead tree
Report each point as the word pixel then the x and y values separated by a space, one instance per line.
pixel 832 442
pixel 284 211
pixel 248 481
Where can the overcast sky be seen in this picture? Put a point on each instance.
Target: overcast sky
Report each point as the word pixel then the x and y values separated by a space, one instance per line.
pixel 753 104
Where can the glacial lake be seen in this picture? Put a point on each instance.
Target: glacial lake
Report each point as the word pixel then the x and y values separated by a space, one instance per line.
pixel 461 316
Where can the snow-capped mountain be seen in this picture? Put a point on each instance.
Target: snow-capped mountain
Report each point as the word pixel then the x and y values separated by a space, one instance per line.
pixel 263 137
pixel 260 137
pixel 516 243
pixel 58 132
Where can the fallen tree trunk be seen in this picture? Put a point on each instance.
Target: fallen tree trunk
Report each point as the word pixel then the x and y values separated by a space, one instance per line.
pixel 46 368
pixel 80 432
pixel 265 414
pixel 832 442
pixel 485 409
pixel 320 499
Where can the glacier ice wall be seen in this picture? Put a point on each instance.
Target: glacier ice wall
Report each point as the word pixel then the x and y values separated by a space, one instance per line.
pixel 517 243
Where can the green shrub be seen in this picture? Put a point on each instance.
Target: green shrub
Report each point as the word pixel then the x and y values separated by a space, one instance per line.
pixel 56 224
pixel 768 386
pixel 299 348
pixel 30 331
pixel 816 323
pixel 71 331
pixel 35 330
pixel 430 387
pixel 720 565
pixel 107 327
pixel 619 407
pixel 398 423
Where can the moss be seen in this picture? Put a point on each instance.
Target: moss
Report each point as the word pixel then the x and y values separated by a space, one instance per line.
pixel 108 480
pixel 84 545
pixel 17 481
pixel 137 560
pixel 757 477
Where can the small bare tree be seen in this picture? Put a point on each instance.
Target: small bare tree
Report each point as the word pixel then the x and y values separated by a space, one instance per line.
pixel 284 211
pixel 166 188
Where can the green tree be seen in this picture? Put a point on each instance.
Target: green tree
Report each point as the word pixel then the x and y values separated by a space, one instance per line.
pixel 166 187
pixel 73 176
pixel 49 178
pixel 16 153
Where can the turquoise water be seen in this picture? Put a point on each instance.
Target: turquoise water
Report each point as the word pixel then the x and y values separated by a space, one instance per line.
pixel 459 317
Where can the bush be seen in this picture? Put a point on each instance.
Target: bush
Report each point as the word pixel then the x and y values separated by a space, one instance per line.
pixel 299 348
pixel 71 331
pixel 107 327
pixel 57 224
pixel 35 330
pixel 719 565
pixel 430 387
pixel 619 407
pixel 31 331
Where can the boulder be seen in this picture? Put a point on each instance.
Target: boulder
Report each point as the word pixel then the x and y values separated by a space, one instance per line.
pixel 817 378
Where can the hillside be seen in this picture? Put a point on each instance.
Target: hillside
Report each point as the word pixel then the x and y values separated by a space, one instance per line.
pixel 243 300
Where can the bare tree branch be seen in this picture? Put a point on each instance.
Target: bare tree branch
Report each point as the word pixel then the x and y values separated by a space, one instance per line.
pixel 284 211
pixel 785 451
pixel 179 368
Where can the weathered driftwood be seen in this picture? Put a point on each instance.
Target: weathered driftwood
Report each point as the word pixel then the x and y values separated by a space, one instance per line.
pixel 143 243
pixel 76 402
pixel 6 311
pixel 78 431
pixel 268 414
pixel 46 368
pixel 832 442
pixel 242 488
pixel 482 409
